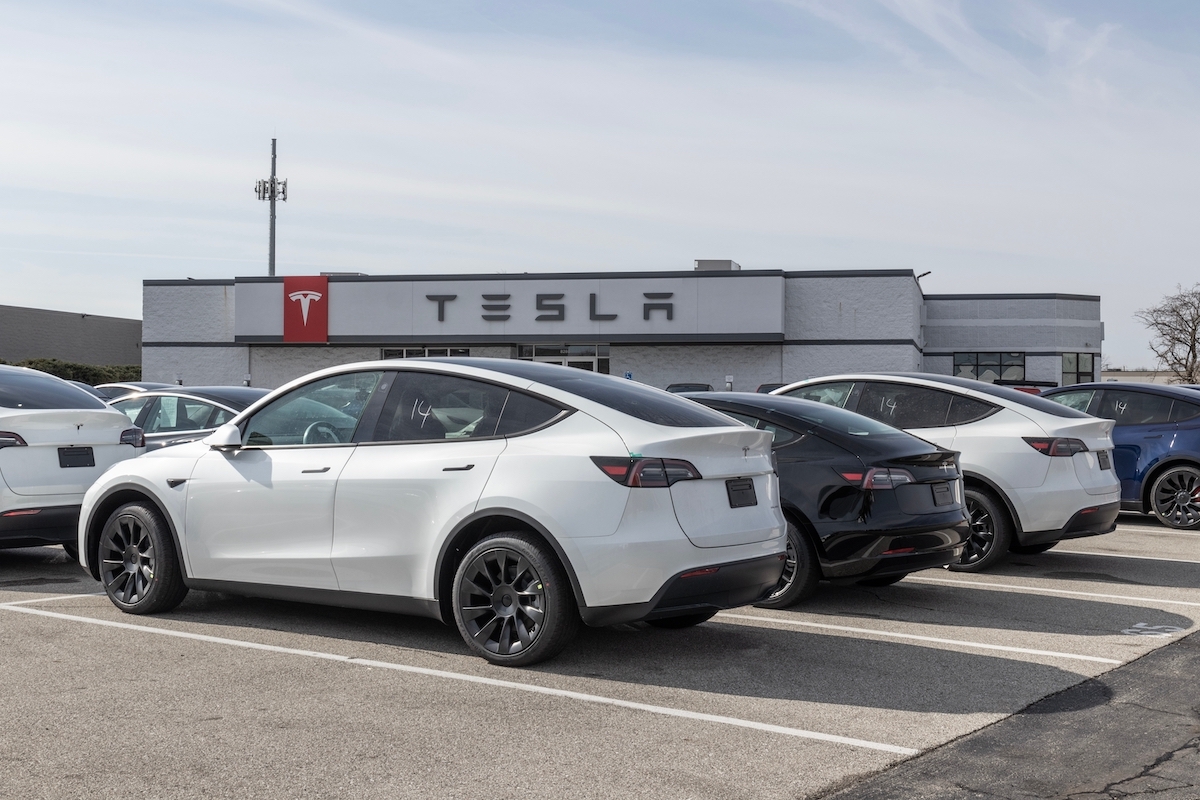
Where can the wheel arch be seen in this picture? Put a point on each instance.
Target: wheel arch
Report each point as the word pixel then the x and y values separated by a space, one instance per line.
pixel 473 529
pixel 975 480
pixel 794 515
pixel 113 499
pixel 1157 470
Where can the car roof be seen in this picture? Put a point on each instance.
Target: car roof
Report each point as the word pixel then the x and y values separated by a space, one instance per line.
pixel 139 385
pixel 1180 391
pixel 236 398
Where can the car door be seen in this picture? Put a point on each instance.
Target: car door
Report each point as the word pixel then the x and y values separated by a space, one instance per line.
pixel 919 410
pixel 1144 433
pixel 264 513
pixel 421 473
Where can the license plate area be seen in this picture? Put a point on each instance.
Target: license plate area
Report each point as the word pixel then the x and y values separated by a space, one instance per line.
pixel 741 492
pixel 76 457
pixel 1105 460
pixel 943 495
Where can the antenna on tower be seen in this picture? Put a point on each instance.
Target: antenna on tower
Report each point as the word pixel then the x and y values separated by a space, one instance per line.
pixel 272 189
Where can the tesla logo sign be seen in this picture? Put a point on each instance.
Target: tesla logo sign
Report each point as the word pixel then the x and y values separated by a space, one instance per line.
pixel 305 309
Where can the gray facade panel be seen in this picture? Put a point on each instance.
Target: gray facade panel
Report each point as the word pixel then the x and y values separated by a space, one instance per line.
pixel 80 338
pixel 660 365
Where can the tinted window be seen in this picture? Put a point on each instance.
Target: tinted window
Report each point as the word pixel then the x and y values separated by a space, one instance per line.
pixel 966 409
pixel 1134 408
pixel 1033 401
pixel 131 407
pixel 1078 400
pixel 779 436
pixel 838 420
pixel 220 418
pixel 426 406
pixel 1182 410
pixel 322 412
pixel 177 414
pixel 37 390
pixel 628 397
pixel 523 413
pixel 904 406
pixel 832 394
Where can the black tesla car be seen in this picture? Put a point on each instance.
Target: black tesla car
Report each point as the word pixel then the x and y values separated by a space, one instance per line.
pixel 865 502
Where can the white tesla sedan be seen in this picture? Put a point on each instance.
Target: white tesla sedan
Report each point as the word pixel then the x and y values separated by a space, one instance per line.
pixel 514 498
pixel 1034 472
pixel 55 439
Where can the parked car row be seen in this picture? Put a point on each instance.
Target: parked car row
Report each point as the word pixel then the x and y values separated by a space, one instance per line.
pixel 517 500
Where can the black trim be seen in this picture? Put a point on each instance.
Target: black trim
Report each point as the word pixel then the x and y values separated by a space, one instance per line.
pixel 735 583
pixel 528 276
pixel 193 344
pixel 1102 520
pixel 190 282
pixel 1052 296
pixel 51 525
pixel 852 273
pixel 839 342
pixel 1027 353
pixel 1018 530
pixel 412 606
pixel 590 338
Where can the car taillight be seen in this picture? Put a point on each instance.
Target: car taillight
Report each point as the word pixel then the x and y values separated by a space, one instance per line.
pixel 647 473
pixel 879 478
pixel 8 439
pixel 1056 447
pixel 133 436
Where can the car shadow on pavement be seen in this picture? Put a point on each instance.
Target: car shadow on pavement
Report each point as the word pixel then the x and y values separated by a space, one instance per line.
pixel 42 570
pixel 995 609
pixel 1118 571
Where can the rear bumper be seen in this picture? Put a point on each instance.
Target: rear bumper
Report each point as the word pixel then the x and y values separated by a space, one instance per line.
pixel 52 525
pixel 1091 521
pixel 893 552
pixel 708 588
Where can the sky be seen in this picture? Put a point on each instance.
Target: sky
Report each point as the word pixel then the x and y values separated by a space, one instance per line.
pixel 1003 146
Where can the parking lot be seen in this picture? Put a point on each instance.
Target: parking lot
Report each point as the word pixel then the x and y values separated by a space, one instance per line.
pixel 228 696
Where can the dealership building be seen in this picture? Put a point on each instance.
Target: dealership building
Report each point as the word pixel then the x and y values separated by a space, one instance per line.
pixel 718 325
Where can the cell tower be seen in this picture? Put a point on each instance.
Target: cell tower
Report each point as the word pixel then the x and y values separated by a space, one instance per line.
pixel 272 189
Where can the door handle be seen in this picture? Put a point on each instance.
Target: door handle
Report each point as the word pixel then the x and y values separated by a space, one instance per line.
pixel 314 471
pixel 458 469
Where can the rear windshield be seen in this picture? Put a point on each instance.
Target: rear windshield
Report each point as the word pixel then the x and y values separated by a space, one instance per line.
pixel 635 399
pixel 36 390
pixel 1033 401
pixel 832 418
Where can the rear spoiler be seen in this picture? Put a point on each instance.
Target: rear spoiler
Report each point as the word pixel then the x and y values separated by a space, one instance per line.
pixel 928 459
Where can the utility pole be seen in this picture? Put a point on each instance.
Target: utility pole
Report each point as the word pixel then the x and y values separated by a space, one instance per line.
pixel 272 190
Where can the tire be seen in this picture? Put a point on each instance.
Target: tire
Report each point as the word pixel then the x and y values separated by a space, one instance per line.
pixel 991 532
pixel 801 572
pixel 1175 498
pixel 72 550
pixel 512 601
pixel 1031 549
pixel 684 621
pixel 139 567
pixel 885 580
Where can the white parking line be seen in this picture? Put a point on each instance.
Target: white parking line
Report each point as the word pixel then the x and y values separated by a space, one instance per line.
pixel 458 676
pixel 1041 590
pixel 1155 531
pixel 52 599
pixel 918 638
pixel 1120 555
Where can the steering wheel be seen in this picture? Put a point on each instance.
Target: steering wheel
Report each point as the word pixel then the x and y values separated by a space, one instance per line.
pixel 321 432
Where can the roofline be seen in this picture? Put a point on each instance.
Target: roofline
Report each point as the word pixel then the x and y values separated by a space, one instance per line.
pixel 1089 297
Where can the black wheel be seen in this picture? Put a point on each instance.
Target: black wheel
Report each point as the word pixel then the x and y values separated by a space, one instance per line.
pixel 71 549
pixel 1175 498
pixel 1030 549
pixel 885 580
pixel 801 572
pixel 683 621
pixel 139 567
pixel 513 602
pixel 991 532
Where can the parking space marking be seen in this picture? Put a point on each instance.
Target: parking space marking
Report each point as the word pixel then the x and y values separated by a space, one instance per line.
pixel 52 599
pixel 919 638
pixel 1120 555
pixel 459 676
pixel 1044 590
pixel 1155 531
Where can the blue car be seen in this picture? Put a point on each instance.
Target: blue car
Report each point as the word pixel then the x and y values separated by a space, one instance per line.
pixel 1157 444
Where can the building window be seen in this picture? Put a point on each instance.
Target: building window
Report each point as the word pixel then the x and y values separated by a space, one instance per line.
pixel 991 367
pixel 421 352
pixel 592 357
pixel 1078 368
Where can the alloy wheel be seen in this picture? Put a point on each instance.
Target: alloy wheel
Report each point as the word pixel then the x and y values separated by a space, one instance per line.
pixel 503 601
pixel 127 559
pixel 1177 498
pixel 983 532
pixel 790 565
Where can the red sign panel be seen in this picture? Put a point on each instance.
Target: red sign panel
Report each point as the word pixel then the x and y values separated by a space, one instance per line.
pixel 306 308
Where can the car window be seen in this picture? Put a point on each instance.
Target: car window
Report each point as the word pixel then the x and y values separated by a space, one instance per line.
pixel 1182 410
pixel 131 407
pixel 37 390
pixel 745 419
pixel 170 414
pixel 779 435
pixel 904 406
pixel 1078 400
pixel 425 405
pixel 524 413
pixel 326 411
pixel 1134 408
pixel 964 410
pixel 220 417
pixel 831 394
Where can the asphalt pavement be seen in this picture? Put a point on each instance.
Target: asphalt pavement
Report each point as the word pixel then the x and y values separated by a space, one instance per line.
pixel 1056 675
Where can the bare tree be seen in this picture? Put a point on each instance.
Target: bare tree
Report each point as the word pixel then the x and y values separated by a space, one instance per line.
pixel 1175 333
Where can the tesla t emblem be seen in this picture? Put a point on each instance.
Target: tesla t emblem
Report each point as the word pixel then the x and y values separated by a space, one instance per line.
pixel 79 426
pixel 305 297
pixel 745 452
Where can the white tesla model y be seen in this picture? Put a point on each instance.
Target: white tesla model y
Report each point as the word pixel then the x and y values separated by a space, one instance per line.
pixel 512 498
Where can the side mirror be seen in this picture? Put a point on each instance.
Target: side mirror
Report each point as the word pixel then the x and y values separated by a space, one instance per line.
pixel 226 437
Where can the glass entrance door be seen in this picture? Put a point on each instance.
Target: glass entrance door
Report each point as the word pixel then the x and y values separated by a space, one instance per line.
pixel 591 357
